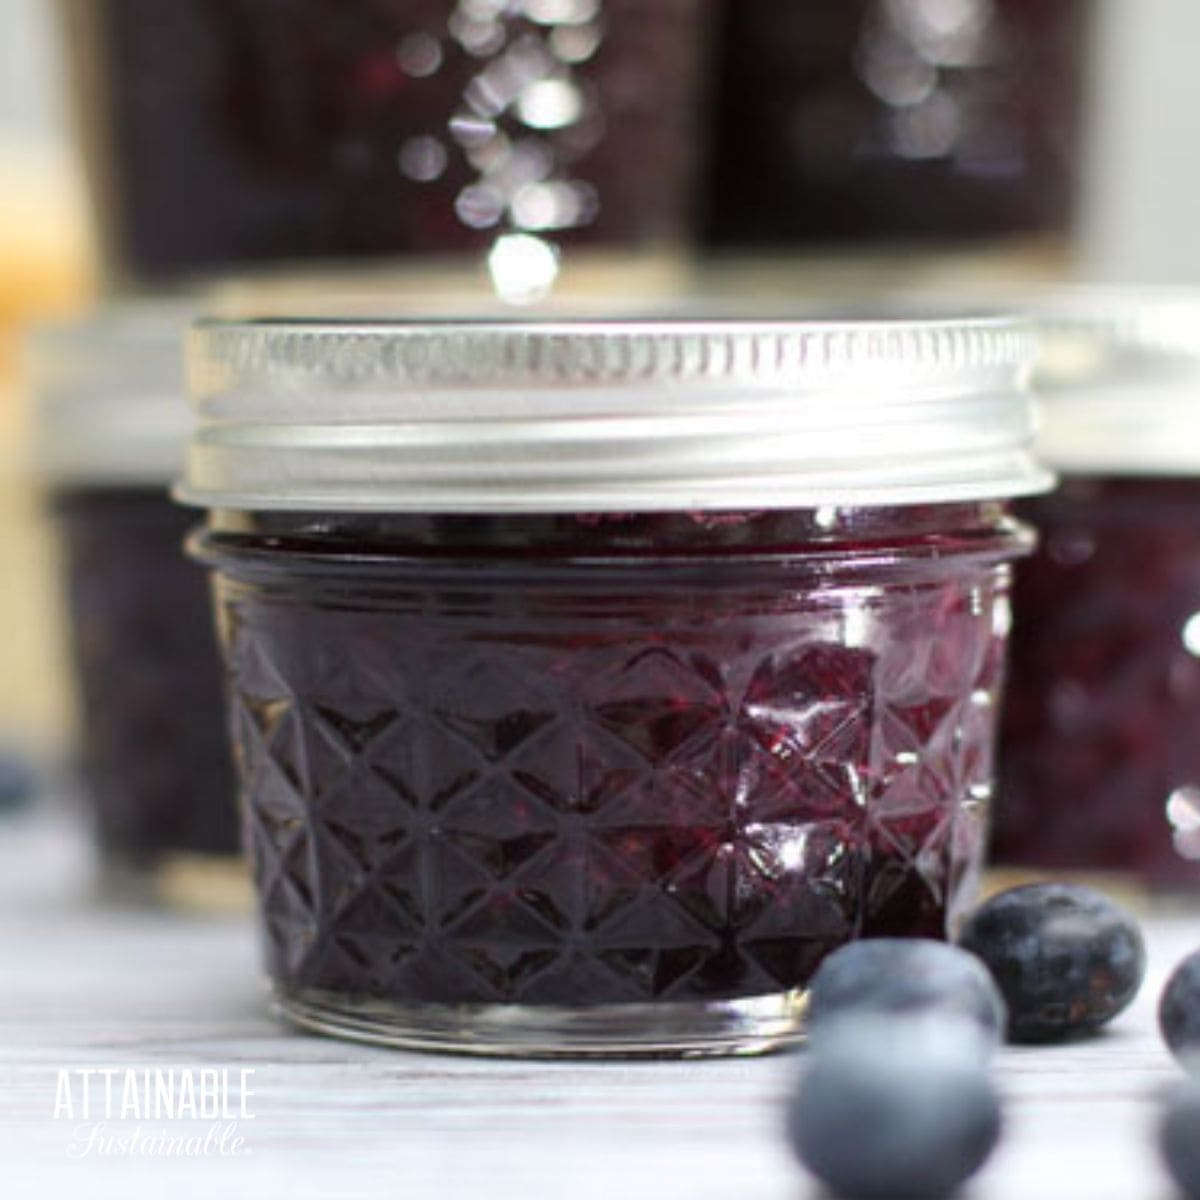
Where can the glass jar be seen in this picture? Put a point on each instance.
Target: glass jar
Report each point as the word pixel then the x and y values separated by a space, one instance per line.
pixel 1101 765
pixel 111 423
pixel 865 121
pixel 592 682
pixel 223 133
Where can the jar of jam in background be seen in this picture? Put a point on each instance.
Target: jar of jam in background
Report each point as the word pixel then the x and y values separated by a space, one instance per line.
pixel 111 421
pixel 865 121
pixel 592 681
pixel 223 133
pixel 1100 761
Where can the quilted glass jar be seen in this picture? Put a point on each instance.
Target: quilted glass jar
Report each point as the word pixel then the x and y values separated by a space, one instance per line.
pixel 851 122
pixel 227 133
pixel 111 424
pixel 592 682
pixel 1101 763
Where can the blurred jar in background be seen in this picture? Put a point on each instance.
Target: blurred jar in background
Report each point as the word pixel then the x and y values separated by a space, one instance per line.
pixel 882 120
pixel 110 423
pixel 1100 758
pixel 227 132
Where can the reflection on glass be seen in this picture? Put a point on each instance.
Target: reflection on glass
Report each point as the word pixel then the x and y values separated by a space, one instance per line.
pixel 876 119
pixel 227 132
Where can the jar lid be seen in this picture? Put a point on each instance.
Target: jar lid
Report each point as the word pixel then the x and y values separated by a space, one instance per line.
pixel 649 415
pixel 1119 380
pixel 109 397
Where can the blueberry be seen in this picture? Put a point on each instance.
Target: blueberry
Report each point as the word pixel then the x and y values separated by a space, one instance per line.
pixel 1179 1137
pixel 1066 958
pixel 903 976
pixel 895 1107
pixel 1179 1011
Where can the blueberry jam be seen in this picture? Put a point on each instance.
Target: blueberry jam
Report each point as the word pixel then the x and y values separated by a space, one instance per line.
pixel 244 131
pixel 849 121
pixel 571 761
pixel 155 757
pixel 1100 762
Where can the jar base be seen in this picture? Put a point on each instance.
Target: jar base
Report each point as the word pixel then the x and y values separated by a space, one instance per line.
pixel 700 1029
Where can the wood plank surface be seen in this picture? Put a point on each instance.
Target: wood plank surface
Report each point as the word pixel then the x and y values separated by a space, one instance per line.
pixel 88 986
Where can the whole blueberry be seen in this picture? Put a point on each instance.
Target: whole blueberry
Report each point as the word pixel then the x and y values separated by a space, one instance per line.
pixel 1179 1011
pixel 1066 958
pixel 1179 1137
pixel 895 1107
pixel 904 976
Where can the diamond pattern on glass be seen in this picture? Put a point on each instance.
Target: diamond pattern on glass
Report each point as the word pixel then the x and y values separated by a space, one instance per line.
pixel 507 809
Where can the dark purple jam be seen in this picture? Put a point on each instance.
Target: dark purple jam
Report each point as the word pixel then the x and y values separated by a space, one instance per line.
pixel 578 761
pixel 852 121
pixel 239 131
pixel 1101 759
pixel 155 755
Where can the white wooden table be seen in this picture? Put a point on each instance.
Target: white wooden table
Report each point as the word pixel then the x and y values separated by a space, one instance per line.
pixel 82 986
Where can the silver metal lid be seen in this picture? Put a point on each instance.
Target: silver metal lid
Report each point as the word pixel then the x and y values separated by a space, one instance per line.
pixel 473 416
pixel 109 397
pixel 1119 380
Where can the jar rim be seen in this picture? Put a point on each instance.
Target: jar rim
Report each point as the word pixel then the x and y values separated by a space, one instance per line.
pixel 604 415
pixel 1118 379
pixel 108 395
